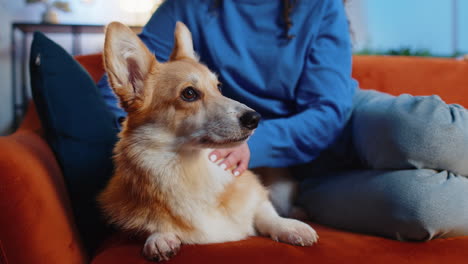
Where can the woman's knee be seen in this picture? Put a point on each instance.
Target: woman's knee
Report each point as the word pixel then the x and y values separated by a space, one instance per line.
pixel 412 219
pixel 431 204
pixel 412 132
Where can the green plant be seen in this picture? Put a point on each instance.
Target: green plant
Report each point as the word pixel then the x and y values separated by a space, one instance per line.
pixel 404 51
pixel 407 51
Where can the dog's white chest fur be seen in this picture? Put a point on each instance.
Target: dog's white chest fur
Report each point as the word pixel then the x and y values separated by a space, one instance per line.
pixel 218 224
pixel 195 185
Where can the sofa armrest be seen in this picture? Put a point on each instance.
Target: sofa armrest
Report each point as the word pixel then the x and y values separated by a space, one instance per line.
pixel 36 223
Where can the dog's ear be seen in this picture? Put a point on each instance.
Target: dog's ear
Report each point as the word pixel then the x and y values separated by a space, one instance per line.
pixel 183 44
pixel 128 63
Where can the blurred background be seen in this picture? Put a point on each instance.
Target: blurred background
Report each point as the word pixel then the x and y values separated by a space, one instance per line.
pixel 397 27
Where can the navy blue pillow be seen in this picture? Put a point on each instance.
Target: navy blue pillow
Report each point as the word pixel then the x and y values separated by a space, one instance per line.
pixel 79 129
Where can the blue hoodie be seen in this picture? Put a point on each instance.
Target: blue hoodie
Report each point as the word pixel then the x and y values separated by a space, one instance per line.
pixel 302 87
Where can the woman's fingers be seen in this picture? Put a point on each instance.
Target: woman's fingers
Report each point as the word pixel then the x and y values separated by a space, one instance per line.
pixel 218 154
pixel 231 160
pixel 236 158
pixel 241 167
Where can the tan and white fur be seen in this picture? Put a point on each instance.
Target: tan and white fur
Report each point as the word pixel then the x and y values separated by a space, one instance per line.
pixel 164 185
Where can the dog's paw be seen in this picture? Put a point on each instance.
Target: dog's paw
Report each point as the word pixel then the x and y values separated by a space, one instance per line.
pixel 294 232
pixel 161 246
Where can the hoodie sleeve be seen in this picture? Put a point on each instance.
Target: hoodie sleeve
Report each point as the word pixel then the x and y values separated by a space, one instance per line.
pixel 158 33
pixel 323 99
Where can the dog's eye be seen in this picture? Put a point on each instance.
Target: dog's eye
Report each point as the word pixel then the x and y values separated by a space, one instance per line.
pixel 220 87
pixel 189 94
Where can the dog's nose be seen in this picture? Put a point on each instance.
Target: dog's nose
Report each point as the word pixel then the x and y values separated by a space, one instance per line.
pixel 250 119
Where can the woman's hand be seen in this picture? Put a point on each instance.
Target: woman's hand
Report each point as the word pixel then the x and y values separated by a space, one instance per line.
pixel 236 158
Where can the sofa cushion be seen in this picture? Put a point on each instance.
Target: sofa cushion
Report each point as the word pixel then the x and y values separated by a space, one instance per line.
pixel 78 127
pixel 333 247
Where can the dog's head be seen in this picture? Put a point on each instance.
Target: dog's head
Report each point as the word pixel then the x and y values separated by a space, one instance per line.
pixel 180 97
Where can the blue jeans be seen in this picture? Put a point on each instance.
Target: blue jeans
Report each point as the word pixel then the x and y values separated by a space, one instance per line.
pixel 398 170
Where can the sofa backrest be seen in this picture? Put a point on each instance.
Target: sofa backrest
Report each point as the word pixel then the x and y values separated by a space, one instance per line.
pixel 414 75
pixel 93 64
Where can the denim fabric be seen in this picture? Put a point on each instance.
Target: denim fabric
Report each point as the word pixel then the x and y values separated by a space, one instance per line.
pixel 397 170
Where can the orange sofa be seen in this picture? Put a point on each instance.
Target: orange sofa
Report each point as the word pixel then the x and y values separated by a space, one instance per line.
pixel 36 223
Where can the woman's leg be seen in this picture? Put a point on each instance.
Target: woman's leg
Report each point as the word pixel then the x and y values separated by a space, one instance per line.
pixel 407 132
pixel 397 141
pixel 413 205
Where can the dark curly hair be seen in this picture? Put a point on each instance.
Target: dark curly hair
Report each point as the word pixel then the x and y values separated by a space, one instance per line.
pixel 288 6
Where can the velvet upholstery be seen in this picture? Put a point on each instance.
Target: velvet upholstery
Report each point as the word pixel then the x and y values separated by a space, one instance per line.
pixel 334 247
pixel 36 224
pixel 417 76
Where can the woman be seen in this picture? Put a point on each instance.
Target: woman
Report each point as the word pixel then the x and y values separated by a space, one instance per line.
pixel 291 62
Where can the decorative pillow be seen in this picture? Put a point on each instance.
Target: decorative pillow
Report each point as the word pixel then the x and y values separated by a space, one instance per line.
pixel 79 129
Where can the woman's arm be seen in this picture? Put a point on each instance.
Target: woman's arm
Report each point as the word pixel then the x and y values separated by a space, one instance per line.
pixel 324 100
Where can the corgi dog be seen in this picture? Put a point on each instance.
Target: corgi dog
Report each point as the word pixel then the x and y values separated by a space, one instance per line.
pixel 164 185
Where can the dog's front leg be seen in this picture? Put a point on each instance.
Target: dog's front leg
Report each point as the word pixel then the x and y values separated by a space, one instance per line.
pixel 291 231
pixel 161 246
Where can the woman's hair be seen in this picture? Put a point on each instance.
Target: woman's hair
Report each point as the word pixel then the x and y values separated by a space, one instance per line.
pixel 288 6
